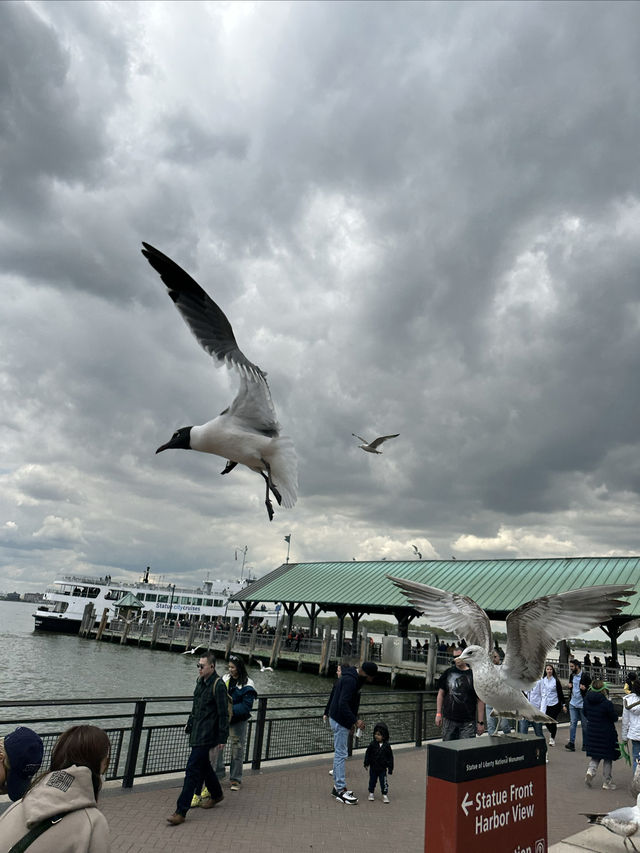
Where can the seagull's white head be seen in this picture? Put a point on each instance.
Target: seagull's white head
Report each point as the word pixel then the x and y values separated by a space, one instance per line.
pixel 474 655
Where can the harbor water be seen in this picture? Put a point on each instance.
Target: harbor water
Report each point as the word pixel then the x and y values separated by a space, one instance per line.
pixel 43 665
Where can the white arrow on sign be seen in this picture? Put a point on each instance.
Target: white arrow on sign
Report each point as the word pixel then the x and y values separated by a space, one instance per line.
pixel 466 803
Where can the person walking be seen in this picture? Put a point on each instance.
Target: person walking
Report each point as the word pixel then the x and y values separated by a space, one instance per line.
pixel 601 737
pixel 208 728
pixel 242 694
pixel 552 699
pixel 60 808
pixel 459 711
pixel 631 722
pixel 378 759
pixel 578 685
pixel 343 717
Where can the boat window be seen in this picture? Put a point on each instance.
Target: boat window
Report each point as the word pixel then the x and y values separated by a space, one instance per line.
pixel 208 602
pixel 60 606
pixel 150 597
pixel 198 601
pixel 163 598
pixel 78 590
pixel 94 591
pixel 218 602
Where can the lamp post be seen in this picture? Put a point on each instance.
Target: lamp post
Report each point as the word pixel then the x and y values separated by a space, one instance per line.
pixel 244 557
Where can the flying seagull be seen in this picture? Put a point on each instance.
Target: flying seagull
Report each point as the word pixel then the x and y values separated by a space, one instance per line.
pixel 372 447
pixel 196 649
pixel 247 432
pixel 264 668
pixel 533 629
pixel 624 821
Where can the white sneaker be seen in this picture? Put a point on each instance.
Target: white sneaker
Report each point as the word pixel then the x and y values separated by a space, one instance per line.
pixel 331 772
pixel 385 799
pixel 588 779
pixel 609 786
pixel 347 797
pixel 552 742
pixel 371 797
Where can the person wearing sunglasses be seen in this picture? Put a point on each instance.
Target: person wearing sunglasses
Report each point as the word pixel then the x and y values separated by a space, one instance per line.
pixel 208 728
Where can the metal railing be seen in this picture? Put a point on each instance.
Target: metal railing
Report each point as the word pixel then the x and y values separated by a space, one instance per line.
pixel 146 740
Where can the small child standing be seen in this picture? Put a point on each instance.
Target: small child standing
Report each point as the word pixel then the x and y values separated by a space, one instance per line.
pixel 379 760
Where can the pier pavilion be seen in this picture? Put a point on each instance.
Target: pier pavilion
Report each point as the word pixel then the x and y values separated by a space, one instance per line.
pixel 359 588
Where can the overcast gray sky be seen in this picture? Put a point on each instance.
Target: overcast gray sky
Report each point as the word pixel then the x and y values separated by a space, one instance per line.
pixel 420 218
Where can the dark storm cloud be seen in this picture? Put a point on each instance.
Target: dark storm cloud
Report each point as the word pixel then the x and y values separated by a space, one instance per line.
pixel 419 218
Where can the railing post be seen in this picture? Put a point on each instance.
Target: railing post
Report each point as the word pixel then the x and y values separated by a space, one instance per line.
pixel 259 738
pixel 419 718
pixel 134 744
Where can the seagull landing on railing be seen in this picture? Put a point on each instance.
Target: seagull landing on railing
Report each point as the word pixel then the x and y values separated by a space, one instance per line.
pixel 533 629
pixel 624 821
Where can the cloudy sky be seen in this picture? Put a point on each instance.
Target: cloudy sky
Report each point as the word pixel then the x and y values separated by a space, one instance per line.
pixel 420 218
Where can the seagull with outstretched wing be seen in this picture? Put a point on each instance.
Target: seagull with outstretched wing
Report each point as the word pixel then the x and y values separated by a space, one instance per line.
pixel 372 446
pixel 247 432
pixel 533 629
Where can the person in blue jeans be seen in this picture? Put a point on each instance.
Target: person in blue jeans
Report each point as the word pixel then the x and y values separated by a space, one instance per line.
pixel 578 685
pixel 343 716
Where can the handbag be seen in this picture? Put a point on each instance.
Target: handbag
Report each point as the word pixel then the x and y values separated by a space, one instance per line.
pixel 28 839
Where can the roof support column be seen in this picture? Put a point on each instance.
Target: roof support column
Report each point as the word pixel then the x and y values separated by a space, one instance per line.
pixel 341 613
pixel 312 613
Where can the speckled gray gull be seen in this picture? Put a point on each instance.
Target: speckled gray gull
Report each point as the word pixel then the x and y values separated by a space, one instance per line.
pixel 624 821
pixel 372 446
pixel 247 432
pixel 533 629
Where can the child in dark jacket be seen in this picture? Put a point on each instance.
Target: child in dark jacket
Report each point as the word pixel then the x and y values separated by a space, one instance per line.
pixel 379 760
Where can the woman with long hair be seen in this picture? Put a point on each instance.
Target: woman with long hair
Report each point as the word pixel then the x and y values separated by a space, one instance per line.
pixel 242 694
pixel 60 808
pixel 552 699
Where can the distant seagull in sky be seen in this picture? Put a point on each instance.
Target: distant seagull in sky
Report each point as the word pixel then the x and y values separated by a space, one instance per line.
pixel 264 668
pixel 533 629
pixel 247 432
pixel 373 446
pixel 416 552
pixel 624 821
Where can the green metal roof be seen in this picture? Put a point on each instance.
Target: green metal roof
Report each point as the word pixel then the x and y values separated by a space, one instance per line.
pixel 498 586
pixel 129 600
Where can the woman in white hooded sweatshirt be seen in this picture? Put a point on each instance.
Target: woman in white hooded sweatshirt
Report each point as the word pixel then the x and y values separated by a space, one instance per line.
pixel 67 794
pixel 631 721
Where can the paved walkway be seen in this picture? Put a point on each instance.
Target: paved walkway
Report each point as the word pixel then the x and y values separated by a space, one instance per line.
pixel 288 808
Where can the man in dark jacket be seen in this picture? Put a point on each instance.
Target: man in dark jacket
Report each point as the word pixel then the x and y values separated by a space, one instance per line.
pixel 343 716
pixel 208 727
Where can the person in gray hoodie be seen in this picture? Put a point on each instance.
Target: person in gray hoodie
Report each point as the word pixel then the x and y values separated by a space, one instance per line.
pixel 62 803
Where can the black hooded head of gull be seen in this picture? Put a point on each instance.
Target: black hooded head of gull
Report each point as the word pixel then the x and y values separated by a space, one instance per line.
pixel 533 629
pixel 247 432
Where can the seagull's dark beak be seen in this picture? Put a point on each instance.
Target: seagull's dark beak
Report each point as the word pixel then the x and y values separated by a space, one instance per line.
pixel 164 447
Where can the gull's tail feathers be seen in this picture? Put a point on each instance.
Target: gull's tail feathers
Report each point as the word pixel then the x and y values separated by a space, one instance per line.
pixel 284 469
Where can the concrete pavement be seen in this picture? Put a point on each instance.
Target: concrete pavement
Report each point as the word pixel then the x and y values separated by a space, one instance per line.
pixel 289 807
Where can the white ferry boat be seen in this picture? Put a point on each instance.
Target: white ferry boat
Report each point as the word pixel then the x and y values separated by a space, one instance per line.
pixel 65 601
